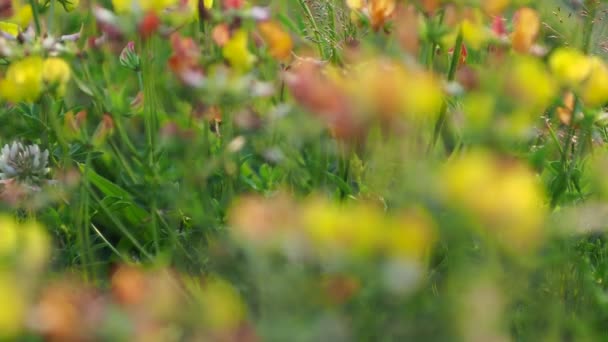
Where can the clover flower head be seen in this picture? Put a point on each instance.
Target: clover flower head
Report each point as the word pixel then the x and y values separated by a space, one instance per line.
pixel 26 164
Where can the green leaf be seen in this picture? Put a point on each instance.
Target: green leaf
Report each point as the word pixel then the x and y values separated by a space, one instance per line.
pixel 105 186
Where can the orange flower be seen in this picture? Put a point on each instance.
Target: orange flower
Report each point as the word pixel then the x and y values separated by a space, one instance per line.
pixel 380 11
pixel 184 62
pixel 526 28
pixel 325 99
pixel 279 41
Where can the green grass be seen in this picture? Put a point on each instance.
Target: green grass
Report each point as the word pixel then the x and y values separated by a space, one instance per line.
pixel 342 205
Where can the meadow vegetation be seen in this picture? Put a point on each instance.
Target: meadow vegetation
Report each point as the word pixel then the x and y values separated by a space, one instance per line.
pixel 303 170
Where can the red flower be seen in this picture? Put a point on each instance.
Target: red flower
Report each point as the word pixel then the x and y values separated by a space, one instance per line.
pixel 184 62
pixel 149 24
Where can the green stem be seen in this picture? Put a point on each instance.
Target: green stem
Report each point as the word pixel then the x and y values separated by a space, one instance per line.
pixel 441 126
pixel 50 18
pixel 123 229
pixel 315 27
pixel 34 5
pixel 54 115
pixel 591 7
pixel 85 222
pixel 150 114
pixel 150 121
pixel 112 248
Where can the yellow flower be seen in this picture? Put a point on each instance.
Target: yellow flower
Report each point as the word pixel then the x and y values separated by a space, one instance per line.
pixel 494 7
pixel 223 308
pixel 125 6
pixel 343 231
pixel 594 91
pixel 27 240
pixel 122 6
pixel 10 28
pixel 410 236
pixel 474 32
pixel 23 15
pixel 502 196
pixel 208 4
pixel 237 53
pixel 530 81
pixel 56 74
pixel 13 309
pixel 373 83
pixel 23 80
pixel 156 5
pixel 570 66
pixel 355 4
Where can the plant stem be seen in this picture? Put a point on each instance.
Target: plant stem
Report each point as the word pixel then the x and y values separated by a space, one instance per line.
pixel 85 222
pixel 591 7
pixel 50 18
pixel 441 126
pixel 147 80
pixel 315 27
pixel 34 5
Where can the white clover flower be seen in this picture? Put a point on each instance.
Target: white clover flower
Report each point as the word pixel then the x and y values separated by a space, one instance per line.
pixel 25 164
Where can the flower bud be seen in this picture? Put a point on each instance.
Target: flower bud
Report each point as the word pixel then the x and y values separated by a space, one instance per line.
pixel 129 58
pixel 56 74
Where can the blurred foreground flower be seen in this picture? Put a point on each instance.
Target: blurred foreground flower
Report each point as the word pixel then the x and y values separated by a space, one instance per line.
pixel 526 29
pixel 503 197
pixel 26 79
pixel 279 42
pixel 55 75
pixel 16 12
pixel 184 62
pixel 237 53
pixel 23 81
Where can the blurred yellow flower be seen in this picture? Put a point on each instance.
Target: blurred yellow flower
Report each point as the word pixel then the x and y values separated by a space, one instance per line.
pixel 156 5
pixel 10 28
pixel 35 246
pixel 12 312
pixel 504 196
pixel 22 14
pixel 237 53
pixel 124 6
pixel 56 74
pixel 474 32
pixel 9 239
pixel 355 4
pixel 531 83
pixel 354 231
pixel 223 308
pixel 594 91
pixel 570 66
pixel 23 80
pixel 26 243
pixel 423 95
pixel 494 7
pixel 478 110
pixel 372 84
pixel 411 236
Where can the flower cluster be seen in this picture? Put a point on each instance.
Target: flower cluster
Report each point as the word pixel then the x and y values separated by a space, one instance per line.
pixel 25 164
